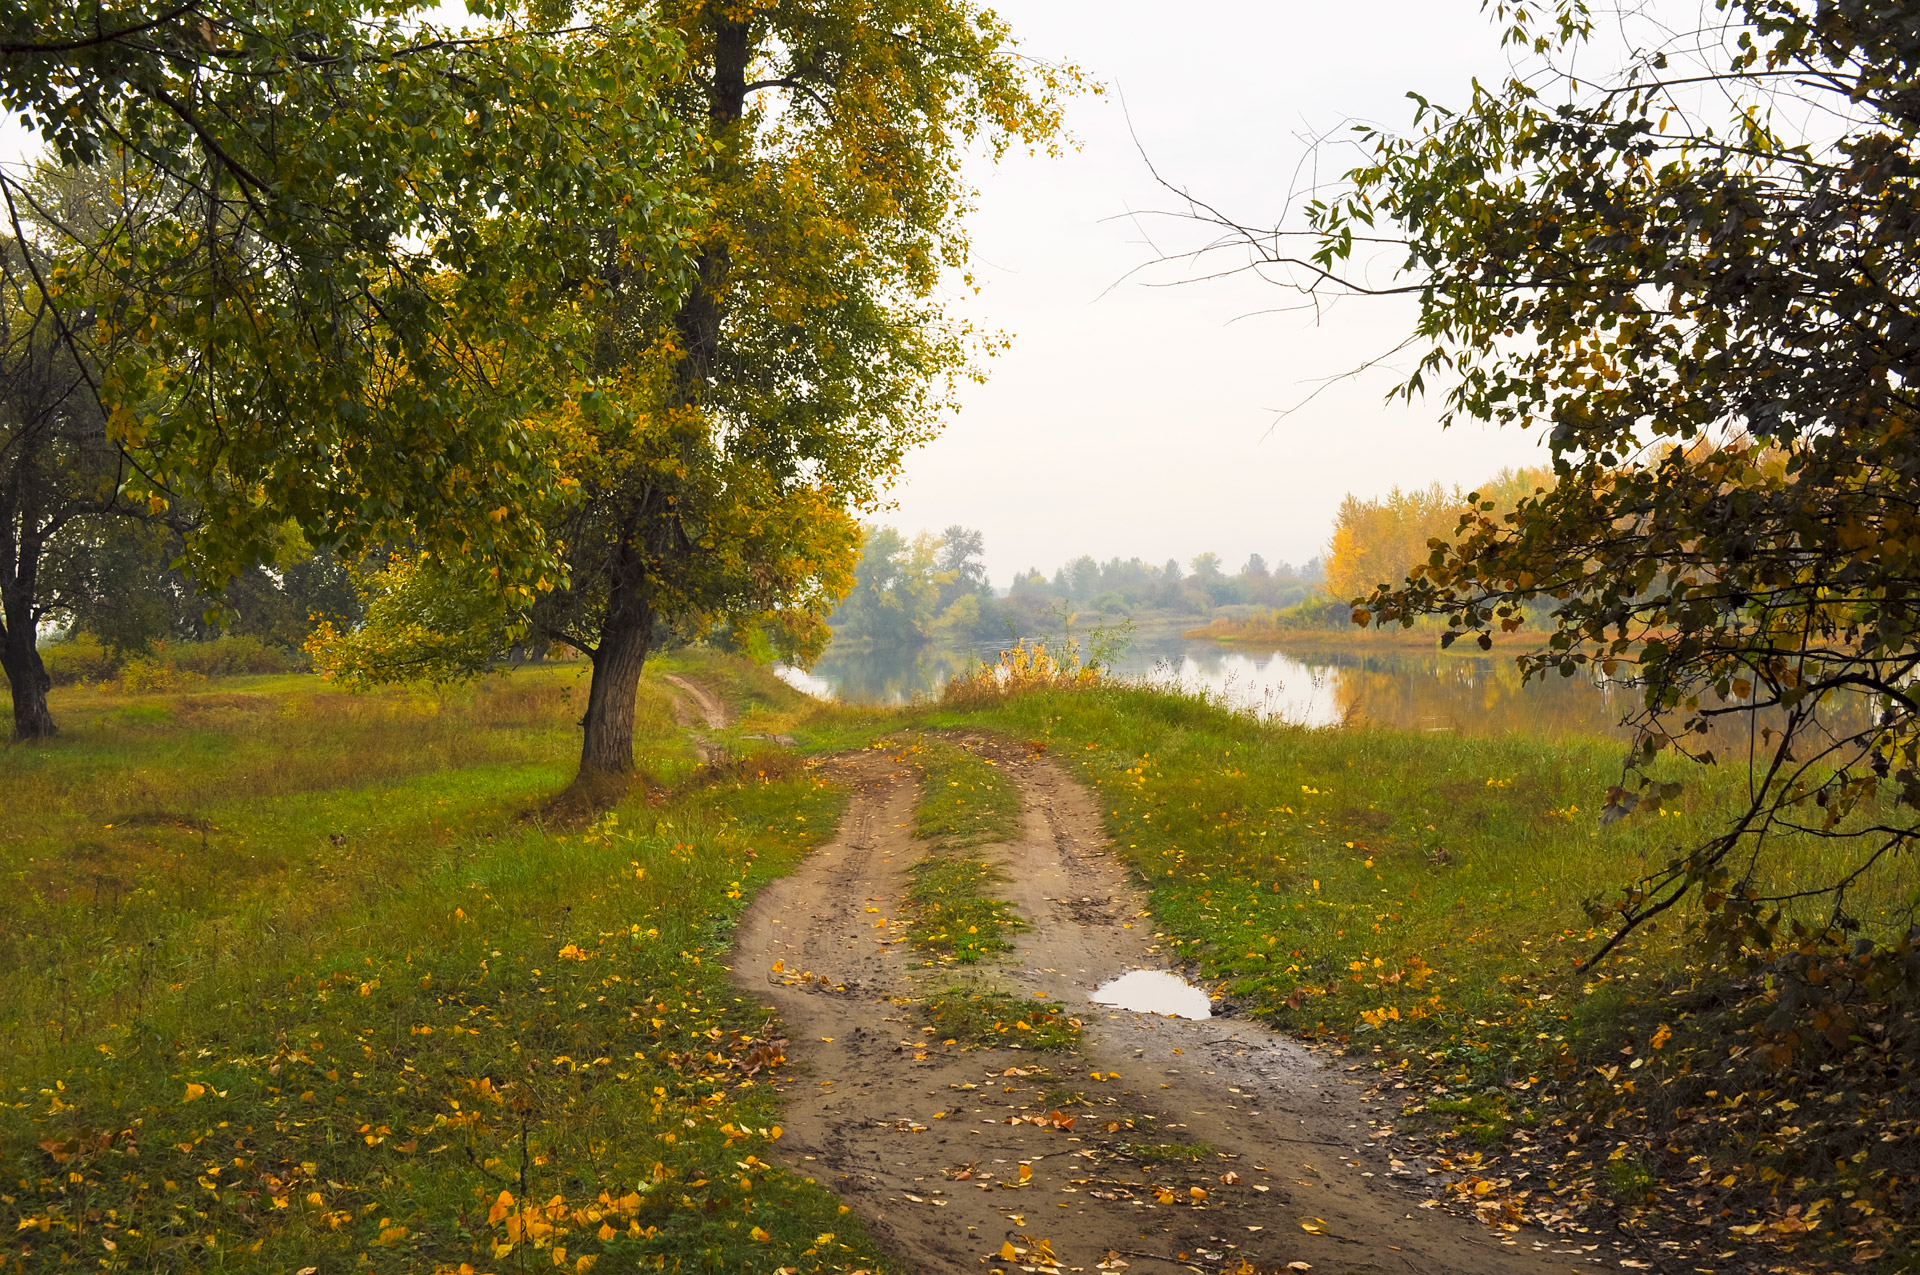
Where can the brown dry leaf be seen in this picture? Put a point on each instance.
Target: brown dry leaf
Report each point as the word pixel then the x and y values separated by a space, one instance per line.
pixel 1230 1178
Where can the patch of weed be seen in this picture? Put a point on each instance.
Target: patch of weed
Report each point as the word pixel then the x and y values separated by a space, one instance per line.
pixel 1169 1152
pixel 975 1016
pixel 1482 1118
pixel 952 918
pixel 966 800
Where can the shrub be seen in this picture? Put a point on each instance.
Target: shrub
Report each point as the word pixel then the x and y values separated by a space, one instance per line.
pixel 81 658
pixel 226 657
pixel 143 676
pixel 1022 668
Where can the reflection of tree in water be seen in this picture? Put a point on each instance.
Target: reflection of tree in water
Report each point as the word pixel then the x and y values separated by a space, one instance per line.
pixel 888 674
pixel 1476 697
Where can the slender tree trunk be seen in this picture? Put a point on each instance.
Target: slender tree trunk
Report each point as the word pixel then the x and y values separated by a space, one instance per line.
pixel 27 678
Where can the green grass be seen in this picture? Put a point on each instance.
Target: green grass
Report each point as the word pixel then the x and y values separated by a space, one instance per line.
pixel 977 1016
pixel 254 925
pixel 1169 1152
pixel 300 979
pixel 965 802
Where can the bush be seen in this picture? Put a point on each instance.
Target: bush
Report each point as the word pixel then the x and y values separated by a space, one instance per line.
pixel 81 658
pixel 226 657
pixel 142 676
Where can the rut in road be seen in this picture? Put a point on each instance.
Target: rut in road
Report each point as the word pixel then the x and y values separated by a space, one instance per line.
pixel 890 1118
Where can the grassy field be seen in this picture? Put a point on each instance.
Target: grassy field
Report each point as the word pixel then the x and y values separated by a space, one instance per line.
pixel 301 979
pixel 307 979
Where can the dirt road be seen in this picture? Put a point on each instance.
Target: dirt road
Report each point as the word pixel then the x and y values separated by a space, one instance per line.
pixel 916 1135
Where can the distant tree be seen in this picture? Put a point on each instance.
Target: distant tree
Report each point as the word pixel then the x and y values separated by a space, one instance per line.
pixel 118 579
pixel 961 555
pixel 1256 568
pixel 895 590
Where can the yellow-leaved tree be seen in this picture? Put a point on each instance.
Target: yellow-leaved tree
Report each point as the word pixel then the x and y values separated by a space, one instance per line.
pixel 733 434
pixel 1377 542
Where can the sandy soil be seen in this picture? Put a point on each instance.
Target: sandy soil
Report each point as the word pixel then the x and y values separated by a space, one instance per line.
pixel 916 1135
pixel 698 703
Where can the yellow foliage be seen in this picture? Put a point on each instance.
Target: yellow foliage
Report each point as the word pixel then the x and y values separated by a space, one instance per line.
pixel 1379 541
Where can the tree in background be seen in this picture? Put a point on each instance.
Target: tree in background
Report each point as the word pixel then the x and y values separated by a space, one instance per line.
pixel 1377 542
pixel 896 590
pixel 58 469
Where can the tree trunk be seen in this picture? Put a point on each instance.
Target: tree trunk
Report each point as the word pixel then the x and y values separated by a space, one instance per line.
pixel 27 678
pixel 607 746
pixel 606 749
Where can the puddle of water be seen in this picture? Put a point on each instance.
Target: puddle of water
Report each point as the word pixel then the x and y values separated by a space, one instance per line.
pixel 1153 992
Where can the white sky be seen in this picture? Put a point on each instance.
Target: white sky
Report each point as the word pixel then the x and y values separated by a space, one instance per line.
pixel 1140 420
pixel 1130 419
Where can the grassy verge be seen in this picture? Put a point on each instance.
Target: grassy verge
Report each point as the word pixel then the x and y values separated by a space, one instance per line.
pixel 296 982
pixel 965 802
pixel 1418 901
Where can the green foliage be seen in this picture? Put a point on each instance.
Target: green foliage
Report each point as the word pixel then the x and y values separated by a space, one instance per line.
pixel 340 250
pixel 81 658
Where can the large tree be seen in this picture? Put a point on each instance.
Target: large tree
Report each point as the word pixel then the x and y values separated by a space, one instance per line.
pixel 1698 276
pixel 357 278
pixel 740 428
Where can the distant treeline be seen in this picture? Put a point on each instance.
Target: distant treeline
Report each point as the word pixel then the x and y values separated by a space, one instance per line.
pixel 116 592
pixel 916 589
pixel 926 587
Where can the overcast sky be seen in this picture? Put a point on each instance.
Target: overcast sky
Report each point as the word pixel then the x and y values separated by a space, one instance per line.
pixel 1132 419
pixel 1135 419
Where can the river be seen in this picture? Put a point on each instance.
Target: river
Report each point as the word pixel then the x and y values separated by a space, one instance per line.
pixel 1401 688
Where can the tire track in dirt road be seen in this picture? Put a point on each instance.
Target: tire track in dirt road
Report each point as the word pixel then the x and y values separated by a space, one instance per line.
pixel 887 1117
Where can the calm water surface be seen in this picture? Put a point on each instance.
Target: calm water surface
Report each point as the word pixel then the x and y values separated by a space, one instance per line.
pixel 1398 688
